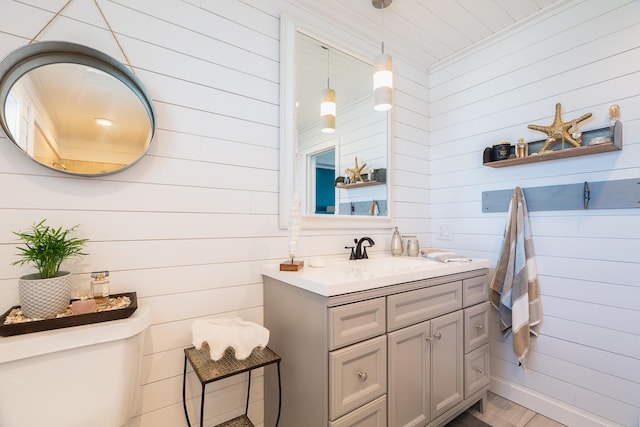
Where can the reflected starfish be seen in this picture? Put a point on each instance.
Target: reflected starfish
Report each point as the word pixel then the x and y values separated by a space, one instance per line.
pixel 358 170
pixel 355 173
pixel 559 129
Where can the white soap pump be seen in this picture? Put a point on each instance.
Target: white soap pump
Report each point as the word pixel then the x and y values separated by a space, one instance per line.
pixel 397 248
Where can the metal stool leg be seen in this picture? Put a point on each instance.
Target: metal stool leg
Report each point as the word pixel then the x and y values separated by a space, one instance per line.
pixel 246 407
pixel 202 407
pixel 184 392
pixel 279 395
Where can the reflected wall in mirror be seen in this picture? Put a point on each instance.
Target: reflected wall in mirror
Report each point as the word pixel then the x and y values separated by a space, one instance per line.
pixel 74 109
pixel 316 165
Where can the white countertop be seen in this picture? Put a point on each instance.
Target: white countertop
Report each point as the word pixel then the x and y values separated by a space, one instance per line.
pixel 344 276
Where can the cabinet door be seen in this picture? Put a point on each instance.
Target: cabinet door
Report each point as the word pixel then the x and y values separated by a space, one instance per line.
pixel 355 322
pixel 410 308
pixel 447 382
pixel 476 367
pixel 476 326
pixel 475 290
pixel 409 376
pixel 357 375
pixel 373 414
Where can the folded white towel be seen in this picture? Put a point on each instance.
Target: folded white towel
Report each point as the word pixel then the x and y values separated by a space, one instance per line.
pixel 227 332
pixel 443 255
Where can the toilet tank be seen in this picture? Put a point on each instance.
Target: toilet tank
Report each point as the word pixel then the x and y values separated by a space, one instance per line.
pixel 75 377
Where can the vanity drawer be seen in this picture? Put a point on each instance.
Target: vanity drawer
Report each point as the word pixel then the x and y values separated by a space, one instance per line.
pixel 475 290
pixel 417 306
pixel 476 370
pixel 476 326
pixel 356 322
pixel 373 414
pixel 357 375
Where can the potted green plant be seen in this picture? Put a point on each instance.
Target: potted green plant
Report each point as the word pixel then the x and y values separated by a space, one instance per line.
pixel 46 293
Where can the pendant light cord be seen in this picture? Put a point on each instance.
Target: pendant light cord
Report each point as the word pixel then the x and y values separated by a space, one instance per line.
pixel 54 17
pixel 328 68
pixel 382 12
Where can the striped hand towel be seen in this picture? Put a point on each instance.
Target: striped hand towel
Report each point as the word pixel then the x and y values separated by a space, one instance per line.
pixel 515 291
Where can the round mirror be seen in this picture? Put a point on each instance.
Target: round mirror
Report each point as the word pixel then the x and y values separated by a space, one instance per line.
pixel 74 109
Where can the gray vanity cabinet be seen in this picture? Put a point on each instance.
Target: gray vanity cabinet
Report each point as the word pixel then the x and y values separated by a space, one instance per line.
pixel 408 354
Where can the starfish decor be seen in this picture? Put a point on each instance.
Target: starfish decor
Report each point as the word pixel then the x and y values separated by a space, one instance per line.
pixel 355 173
pixel 559 130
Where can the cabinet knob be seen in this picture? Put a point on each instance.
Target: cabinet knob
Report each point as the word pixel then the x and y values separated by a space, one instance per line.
pixel 478 370
pixel 363 375
pixel 436 335
pixel 479 325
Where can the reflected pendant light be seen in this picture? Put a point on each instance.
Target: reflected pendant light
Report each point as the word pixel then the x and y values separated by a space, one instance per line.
pixel 382 72
pixel 328 105
pixel 328 111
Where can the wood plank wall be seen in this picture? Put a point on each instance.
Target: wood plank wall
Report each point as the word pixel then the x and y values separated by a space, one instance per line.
pixel 188 227
pixel 585 367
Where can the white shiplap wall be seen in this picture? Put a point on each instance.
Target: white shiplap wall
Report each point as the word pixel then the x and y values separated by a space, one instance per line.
pixel 188 227
pixel 584 370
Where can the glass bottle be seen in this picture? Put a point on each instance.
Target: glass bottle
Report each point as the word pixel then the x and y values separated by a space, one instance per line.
pixel 614 116
pixel 100 284
pixel 397 248
pixel 522 149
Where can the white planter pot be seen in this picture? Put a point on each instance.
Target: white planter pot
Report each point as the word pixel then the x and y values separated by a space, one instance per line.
pixel 44 298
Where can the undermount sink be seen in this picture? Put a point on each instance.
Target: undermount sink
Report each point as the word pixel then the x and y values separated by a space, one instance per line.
pixel 382 265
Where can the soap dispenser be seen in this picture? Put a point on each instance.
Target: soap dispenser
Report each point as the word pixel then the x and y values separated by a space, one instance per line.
pixel 397 247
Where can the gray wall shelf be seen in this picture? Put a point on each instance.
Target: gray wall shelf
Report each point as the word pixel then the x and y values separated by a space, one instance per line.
pixel 587 136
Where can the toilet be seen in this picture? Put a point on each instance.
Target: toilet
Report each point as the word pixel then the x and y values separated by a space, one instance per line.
pixel 75 377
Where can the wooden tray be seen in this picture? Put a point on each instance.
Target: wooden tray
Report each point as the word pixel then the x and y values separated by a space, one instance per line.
pixel 68 321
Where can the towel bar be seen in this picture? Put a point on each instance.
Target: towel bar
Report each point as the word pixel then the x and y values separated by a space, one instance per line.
pixel 617 194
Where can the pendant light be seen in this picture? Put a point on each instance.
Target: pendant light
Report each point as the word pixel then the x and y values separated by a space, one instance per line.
pixel 328 104
pixel 382 71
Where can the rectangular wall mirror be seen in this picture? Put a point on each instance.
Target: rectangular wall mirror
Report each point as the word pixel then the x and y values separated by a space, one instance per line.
pixel 342 178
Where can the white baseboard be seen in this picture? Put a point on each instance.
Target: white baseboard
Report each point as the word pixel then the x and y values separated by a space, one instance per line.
pixel 548 406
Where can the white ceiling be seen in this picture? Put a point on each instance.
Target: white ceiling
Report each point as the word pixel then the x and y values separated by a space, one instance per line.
pixel 427 31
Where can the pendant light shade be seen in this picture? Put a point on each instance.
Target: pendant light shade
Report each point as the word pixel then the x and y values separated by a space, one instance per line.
pixel 328 102
pixel 328 111
pixel 383 82
pixel 382 70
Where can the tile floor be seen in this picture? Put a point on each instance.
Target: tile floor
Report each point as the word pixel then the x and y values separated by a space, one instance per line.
pixel 501 412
